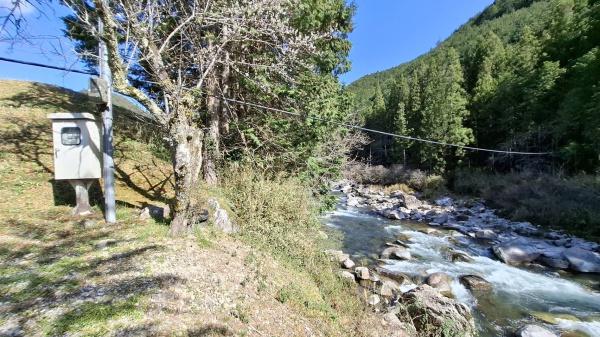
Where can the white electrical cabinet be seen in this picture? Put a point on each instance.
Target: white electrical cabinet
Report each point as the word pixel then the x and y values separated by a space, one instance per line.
pixel 77 146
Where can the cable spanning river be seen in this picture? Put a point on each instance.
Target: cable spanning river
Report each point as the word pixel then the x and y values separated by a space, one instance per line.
pixel 561 301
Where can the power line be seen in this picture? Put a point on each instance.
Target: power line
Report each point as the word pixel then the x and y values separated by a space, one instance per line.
pixel 48 66
pixel 357 127
pixel 383 132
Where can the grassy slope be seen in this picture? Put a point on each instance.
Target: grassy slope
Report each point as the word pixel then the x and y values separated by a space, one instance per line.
pixel 61 275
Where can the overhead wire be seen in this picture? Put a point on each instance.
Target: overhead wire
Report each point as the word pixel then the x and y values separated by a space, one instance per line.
pixel 291 113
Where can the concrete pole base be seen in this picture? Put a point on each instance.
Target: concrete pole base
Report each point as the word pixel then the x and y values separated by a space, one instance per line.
pixel 82 197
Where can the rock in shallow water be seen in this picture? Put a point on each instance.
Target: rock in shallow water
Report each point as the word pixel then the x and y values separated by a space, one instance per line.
pixel 531 330
pixel 446 201
pixel 399 253
pixel 553 259
pixel 583 261
pixel 552 318
pixel 486 234
pixel 475 283
pixel 516 251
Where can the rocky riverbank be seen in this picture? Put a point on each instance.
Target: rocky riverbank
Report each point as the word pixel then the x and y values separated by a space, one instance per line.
pixel 463 222
pixel 514 243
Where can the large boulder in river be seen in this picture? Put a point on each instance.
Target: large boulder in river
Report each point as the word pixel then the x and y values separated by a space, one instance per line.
pixel 440 281
pixel 516 251
pixel 475 283
pixel 531 330
pixel 396 252
pixel 486 234
pixel 583 261
pixel 554 258
pixel 435 315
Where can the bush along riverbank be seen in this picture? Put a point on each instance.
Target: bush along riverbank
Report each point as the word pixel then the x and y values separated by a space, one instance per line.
pixel 446 264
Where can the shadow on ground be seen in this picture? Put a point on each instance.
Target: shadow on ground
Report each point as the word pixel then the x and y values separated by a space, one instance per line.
pixel 63 278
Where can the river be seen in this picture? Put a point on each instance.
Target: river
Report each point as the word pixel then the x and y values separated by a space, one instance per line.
pixel 519 293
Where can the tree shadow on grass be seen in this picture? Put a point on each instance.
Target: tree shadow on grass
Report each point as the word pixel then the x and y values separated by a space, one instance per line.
pixel 81 277
pixel 30 141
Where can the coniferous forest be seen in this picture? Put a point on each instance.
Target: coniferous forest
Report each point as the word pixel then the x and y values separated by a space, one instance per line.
pixel 523 75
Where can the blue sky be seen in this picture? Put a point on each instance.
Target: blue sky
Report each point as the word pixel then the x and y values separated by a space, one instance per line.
pixel 386 33
pixel 47 45
pixel 390 32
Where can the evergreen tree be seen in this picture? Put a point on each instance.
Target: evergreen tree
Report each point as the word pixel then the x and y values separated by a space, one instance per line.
pixel 444 111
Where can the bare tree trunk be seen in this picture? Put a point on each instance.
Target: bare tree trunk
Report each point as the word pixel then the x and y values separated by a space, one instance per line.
pixel 211 141
pixel 225 112
pixel 187 164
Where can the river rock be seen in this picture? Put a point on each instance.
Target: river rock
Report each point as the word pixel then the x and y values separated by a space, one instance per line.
pixel 440 281
pixel 394 214
pixel 220 217
pixel 441 219
pixel 373 300
pixel 428 231
pixel 397 276
pixel 475 283
pixel 462 217
pixel 553 318
pixel 456 256
pixel 403 238
pixel 348 264
pixel 554 259
pixel 486 234
pixel 574 334
pixel 347 275
pixel 445 202
pixel 410 201
pixel 516 251
pixel 583 261
pixel 337 255
pixel 436 315
pixel 399 253
pixel 389 288
pixel 525 228
pixel 353 201
pixel 531 330
pixel 362 273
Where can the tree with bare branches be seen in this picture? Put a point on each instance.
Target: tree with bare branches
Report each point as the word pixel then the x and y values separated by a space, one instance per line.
pixel 180 59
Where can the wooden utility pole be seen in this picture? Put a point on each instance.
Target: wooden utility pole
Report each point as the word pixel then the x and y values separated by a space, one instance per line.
pixel 108 164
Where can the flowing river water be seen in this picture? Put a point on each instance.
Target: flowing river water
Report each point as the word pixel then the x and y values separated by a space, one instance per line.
pixel 519 293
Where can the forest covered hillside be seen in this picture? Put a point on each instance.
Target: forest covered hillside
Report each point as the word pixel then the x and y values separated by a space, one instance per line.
pixel 522 75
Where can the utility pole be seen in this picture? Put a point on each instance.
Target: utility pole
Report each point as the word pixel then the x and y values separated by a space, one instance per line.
pixel 108 164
